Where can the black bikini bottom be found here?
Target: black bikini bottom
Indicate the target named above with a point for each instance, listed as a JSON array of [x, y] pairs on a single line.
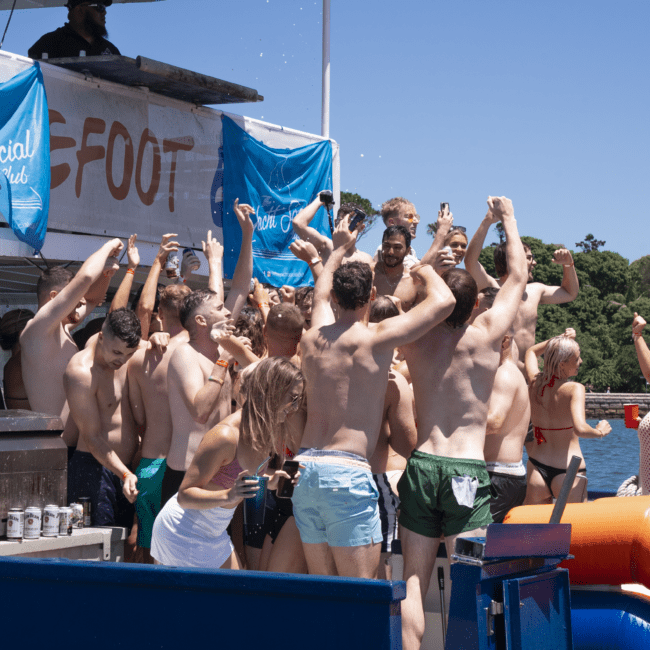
[[548, 473]]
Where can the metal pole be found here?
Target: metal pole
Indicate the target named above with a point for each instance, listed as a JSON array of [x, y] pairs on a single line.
[[567, 484], [325, 113]]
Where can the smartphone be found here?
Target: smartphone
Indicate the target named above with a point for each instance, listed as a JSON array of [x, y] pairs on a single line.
[[444, 206], [359, 216]]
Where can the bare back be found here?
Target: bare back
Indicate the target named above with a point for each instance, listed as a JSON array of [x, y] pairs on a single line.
[[188, 372], [346, 384], [526, 320], [148, 388], [551, 413], [453, 371], [510, 397]]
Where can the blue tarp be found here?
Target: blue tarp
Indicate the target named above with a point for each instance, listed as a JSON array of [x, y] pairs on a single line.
[[25, 156], [278, 183]]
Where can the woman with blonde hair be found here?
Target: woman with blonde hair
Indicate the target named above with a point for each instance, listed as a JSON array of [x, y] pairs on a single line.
[[558, 417], [191, 529]]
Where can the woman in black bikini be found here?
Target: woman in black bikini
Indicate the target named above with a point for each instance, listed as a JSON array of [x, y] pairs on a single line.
[[558, 416]]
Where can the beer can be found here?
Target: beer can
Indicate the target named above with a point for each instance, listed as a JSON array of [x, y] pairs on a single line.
[[15, 523], [172, 266], [33, 520], [65, 521], [51, 521], [77, 515], [85, 502]]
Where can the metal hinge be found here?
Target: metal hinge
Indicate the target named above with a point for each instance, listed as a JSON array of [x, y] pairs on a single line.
[[490, 612]]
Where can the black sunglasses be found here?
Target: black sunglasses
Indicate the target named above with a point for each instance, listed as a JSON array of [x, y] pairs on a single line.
[[459, 228]]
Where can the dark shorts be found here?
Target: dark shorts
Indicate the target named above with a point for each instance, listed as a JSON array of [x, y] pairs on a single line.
[[444, 496], [388, 507], [89, 478], [507, 492], [171, 482], [150, 475]]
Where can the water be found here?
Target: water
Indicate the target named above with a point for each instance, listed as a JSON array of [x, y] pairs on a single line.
[[612, 459]]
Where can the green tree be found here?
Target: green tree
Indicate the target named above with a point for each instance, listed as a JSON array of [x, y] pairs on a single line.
[[590, 243], [365, 205]]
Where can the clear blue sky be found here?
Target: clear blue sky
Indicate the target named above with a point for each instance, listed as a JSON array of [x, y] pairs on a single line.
[[544, 102]]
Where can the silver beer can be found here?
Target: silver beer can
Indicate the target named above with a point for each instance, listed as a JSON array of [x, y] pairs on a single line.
[[33, 520], [15, 523], [51, 521], [77, 515], [65, 521]]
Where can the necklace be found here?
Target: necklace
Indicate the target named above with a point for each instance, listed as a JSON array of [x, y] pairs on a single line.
[[391, 284]]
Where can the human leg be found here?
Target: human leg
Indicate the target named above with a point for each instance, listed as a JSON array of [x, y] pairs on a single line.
[[357, 561], [537, 492], [320, 560], [419, 553], [287, 555]]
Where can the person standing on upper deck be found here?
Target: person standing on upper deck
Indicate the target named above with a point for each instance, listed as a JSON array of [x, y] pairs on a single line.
[[85, 31]]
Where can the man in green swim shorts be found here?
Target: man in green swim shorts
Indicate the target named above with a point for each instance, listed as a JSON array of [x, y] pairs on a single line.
[[445, 489]]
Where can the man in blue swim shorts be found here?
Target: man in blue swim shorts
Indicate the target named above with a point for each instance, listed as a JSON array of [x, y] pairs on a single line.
[[445, 488], [346, 367]]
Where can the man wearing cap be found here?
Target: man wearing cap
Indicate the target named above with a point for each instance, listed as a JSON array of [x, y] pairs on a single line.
[[85, 31]]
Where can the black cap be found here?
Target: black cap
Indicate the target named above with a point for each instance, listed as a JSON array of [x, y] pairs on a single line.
[[71, 4]]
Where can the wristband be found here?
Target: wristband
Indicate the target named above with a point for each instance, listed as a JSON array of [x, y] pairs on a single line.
[[125, 475], [259, 304], [215, 379], [567, 265], [131, 271], [636, 335], [314, 261], [222, 363]]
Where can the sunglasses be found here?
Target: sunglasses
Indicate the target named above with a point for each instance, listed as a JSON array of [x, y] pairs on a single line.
[[459, 228], [295, 401], [101, 7]]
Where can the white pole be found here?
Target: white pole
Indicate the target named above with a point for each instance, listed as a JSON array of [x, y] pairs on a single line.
[[325, 113]]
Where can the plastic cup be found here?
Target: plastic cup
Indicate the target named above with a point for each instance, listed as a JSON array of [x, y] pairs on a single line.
[[255, 506], [632, 418], [285, 486]]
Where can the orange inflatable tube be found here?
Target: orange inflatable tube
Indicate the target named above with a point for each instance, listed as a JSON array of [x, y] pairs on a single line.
[[610, 538]]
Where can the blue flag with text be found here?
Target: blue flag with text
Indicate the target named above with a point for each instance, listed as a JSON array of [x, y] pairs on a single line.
[[277, 183], [25, 156]]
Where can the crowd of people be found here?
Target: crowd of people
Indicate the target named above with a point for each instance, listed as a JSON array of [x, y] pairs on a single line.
[[406, 389]]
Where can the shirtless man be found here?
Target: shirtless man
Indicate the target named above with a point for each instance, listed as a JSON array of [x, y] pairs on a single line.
[[445, 489], [147, 372], [391, 275], [346, 371], [46, 343], [200, 390], [535, 294], [401, 212], [96, 387], [507, 425], [322, 243]]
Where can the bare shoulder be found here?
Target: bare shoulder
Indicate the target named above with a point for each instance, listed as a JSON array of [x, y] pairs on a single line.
[[224, 435], [574, 389], [79, 369], [137, 360], [360, 256]]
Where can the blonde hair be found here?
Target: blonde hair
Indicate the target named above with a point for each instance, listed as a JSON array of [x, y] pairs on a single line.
[[393, 207], [263, 391], [559, 350]]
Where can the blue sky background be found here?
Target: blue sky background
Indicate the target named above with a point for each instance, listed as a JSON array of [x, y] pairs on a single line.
[[544, 102]]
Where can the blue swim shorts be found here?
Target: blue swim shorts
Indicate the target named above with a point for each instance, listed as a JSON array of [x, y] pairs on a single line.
[[335, 501], [150, 474]]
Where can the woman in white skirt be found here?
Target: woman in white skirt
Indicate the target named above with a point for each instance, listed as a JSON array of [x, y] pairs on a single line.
[[190, 530]]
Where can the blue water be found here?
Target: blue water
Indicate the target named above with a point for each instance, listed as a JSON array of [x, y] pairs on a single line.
[[612, 459]]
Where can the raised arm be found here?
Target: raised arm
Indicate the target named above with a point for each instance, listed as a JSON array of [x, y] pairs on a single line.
[[570, 286], [213, 252], [536, 351], [199, 396], [102, 263], [642, 351], [239, 347], [473, 266], [437, 305], [445, 222], [121, 298], [82, 400], [498, 320], [321, 311], [148, 296], [241, 278], [302, 228], [307, 252]]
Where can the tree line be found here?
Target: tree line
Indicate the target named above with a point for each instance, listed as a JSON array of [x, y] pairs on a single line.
[[611, 290]]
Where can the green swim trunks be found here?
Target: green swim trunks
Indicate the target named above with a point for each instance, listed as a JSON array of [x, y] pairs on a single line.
[[444, 496], [150, 474]]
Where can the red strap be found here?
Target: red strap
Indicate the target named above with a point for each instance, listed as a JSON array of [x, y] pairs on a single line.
[[539, 436]]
